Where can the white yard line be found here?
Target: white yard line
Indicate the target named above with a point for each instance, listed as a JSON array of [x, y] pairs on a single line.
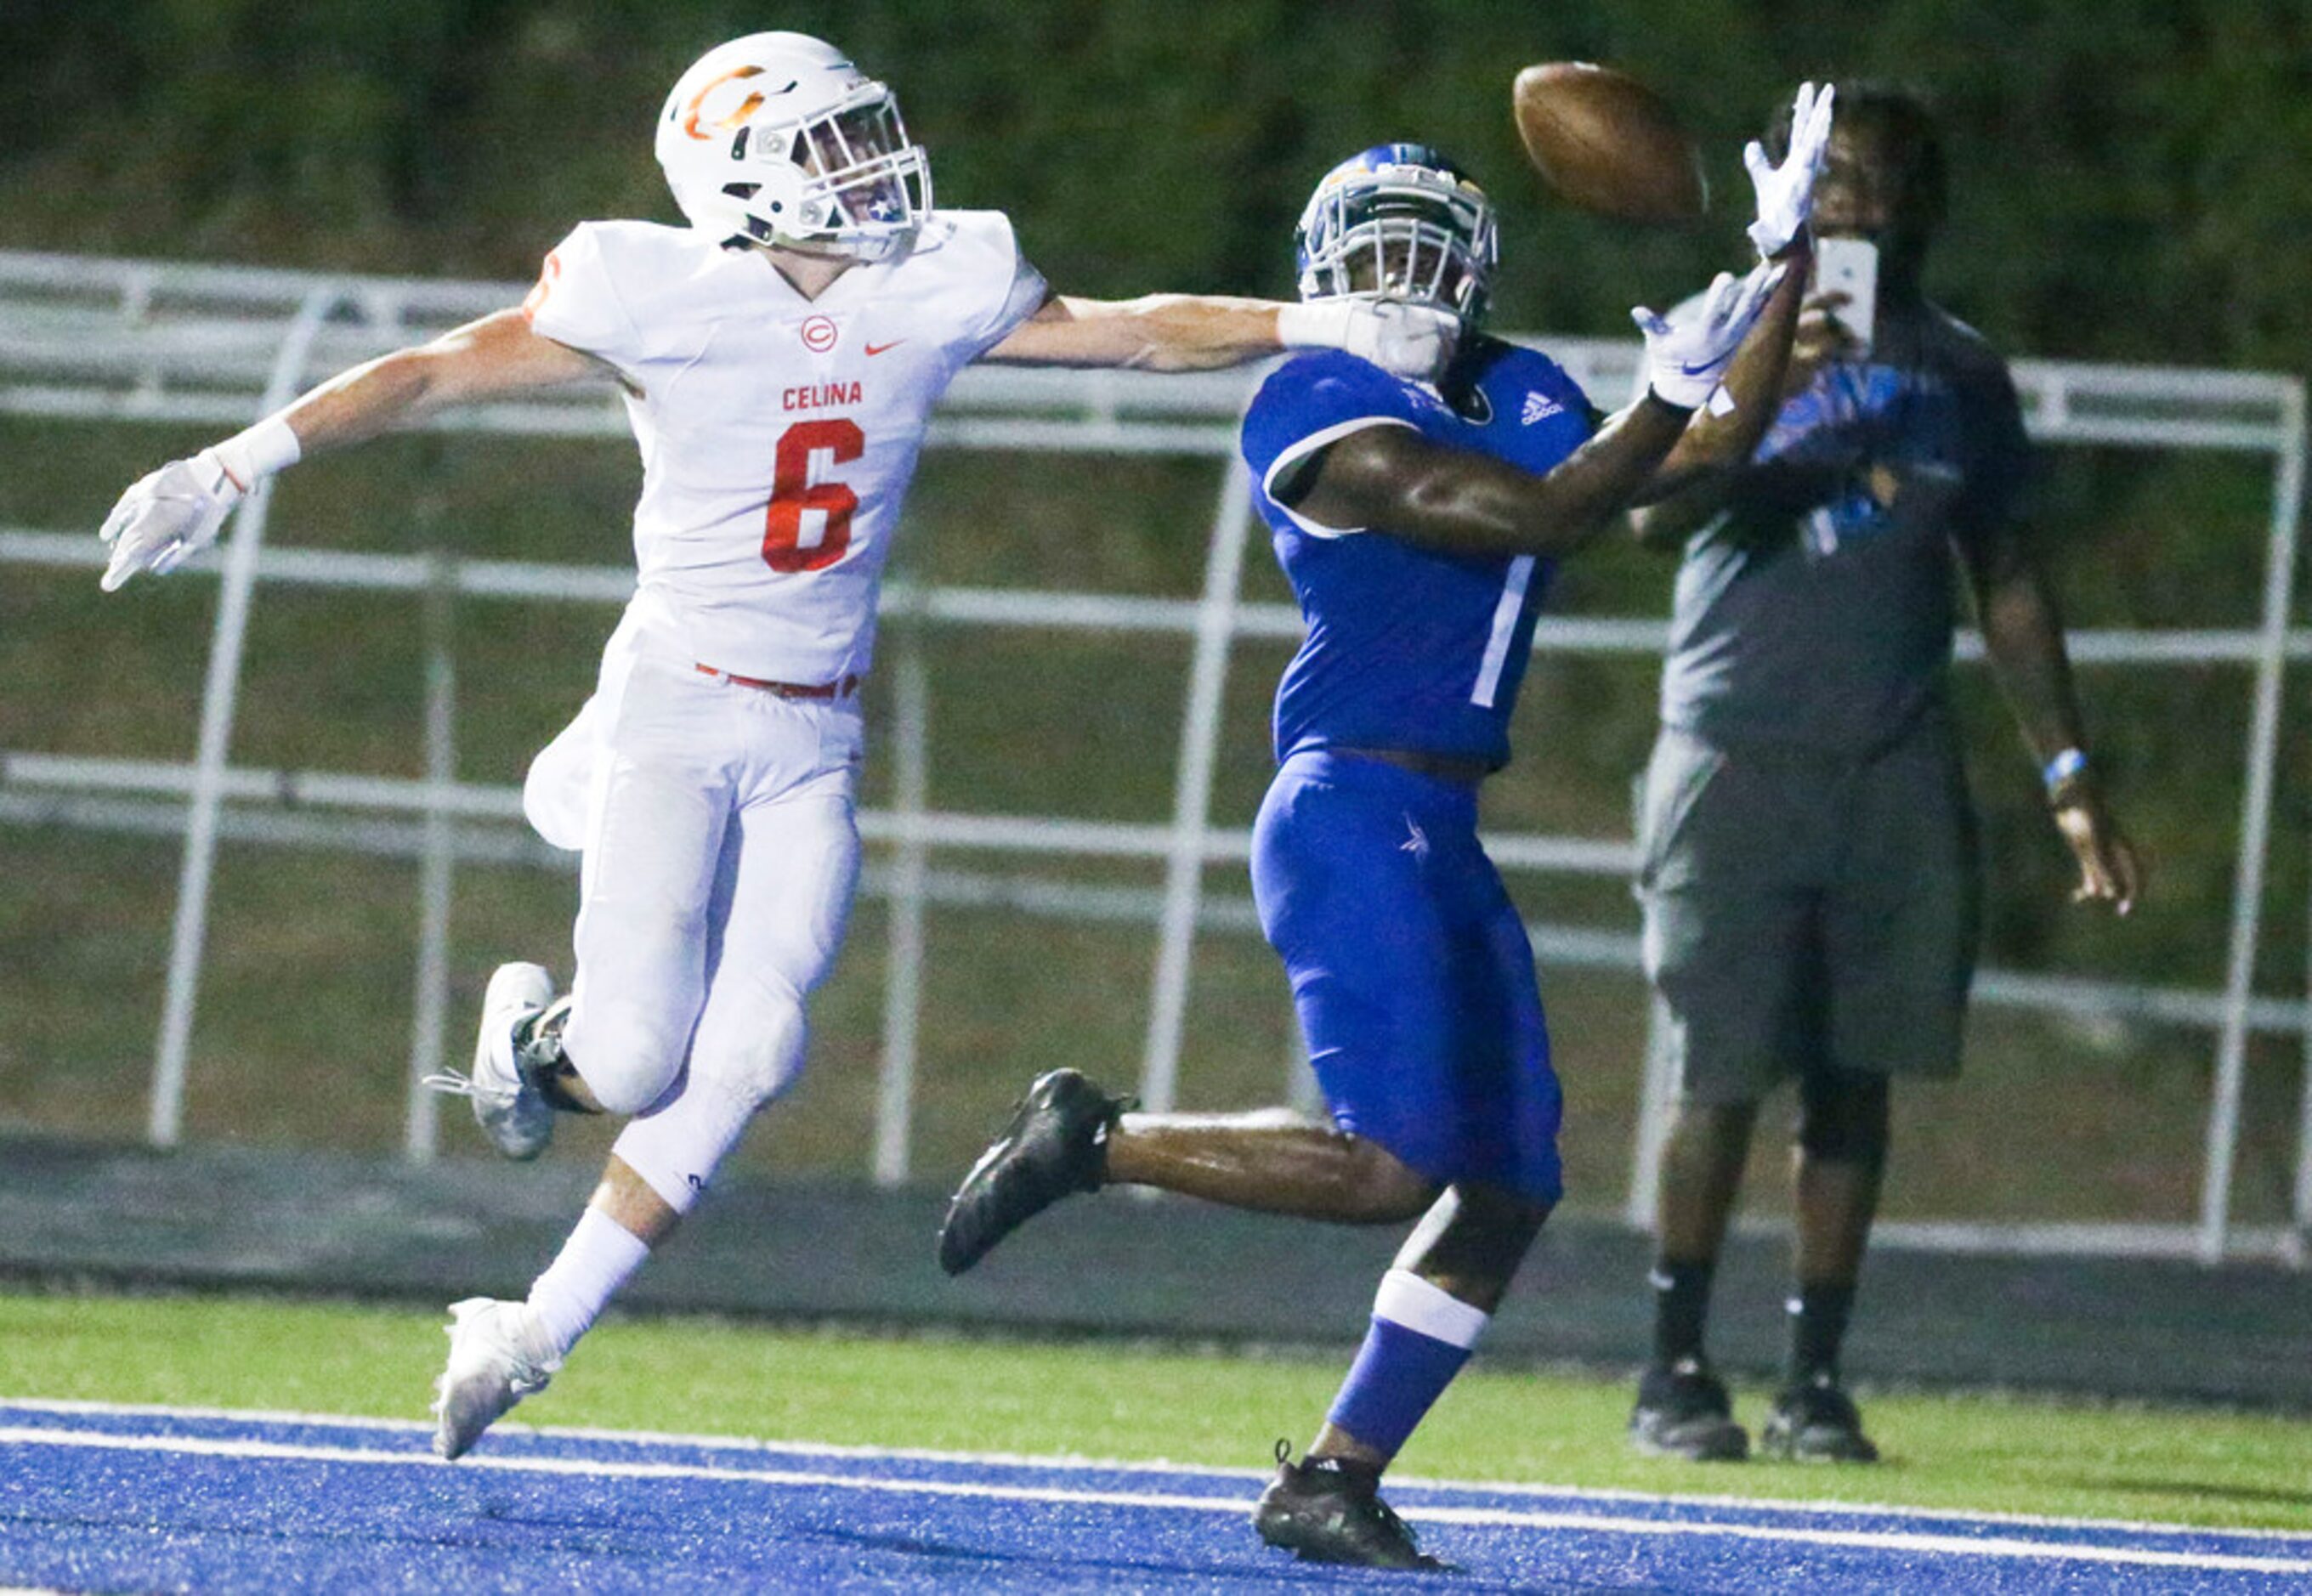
[[1952, 1546], [1011, 1460]]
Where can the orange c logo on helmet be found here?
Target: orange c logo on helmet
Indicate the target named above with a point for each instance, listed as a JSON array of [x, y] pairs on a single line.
[[747, 107]]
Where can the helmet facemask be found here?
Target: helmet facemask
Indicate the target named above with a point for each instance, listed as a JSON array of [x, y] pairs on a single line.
[[866, 189], [1399, 231]]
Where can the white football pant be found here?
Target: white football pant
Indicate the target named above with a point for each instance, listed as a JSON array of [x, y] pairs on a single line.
[[721, 853]]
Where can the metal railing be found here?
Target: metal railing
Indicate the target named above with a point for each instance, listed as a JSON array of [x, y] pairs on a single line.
[[128, 342]]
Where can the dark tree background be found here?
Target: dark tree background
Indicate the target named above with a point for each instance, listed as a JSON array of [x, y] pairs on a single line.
[[2130, 184], [2131, 174]]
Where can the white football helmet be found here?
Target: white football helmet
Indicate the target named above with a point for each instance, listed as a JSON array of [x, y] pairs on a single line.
[[778, 138]]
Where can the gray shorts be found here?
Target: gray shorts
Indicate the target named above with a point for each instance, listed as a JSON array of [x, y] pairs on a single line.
[[1806, 910]]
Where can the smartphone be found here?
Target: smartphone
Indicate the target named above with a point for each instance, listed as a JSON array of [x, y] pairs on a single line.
[[1850, 266]]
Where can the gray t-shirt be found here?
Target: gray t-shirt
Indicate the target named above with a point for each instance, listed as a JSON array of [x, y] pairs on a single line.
[[1818, 611]]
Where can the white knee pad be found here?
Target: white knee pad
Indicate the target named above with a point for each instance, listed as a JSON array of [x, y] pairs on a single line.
[[750, 1038], [628, 1052], [746, 1053]]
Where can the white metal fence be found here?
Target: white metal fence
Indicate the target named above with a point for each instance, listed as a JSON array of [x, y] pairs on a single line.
[[115, 342]]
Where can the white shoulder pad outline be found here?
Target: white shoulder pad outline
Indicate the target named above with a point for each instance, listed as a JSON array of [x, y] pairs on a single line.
[[1300, 451]]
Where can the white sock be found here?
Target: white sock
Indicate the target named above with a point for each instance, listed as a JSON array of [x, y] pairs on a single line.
[[593, 1263]]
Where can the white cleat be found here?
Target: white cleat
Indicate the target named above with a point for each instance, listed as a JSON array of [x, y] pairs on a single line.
[[510, 1111], [496, 1359]]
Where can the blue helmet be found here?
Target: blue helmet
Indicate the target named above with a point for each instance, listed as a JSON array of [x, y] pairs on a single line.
[[1399, 222]]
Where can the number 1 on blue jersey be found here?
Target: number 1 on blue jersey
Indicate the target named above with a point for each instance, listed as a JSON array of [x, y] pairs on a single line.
[[1505, 620]]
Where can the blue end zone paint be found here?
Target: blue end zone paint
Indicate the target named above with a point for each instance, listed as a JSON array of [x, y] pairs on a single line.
[[122, 1499]]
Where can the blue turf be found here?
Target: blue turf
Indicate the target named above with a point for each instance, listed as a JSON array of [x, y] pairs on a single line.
[[80, 1516]]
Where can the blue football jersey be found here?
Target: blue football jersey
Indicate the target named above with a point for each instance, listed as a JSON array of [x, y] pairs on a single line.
[[1407, 648]]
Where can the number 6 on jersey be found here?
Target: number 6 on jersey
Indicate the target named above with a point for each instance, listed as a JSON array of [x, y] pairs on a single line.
[[807, 524]]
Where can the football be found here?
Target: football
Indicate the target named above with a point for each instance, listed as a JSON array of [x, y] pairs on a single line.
[[1608, 143]]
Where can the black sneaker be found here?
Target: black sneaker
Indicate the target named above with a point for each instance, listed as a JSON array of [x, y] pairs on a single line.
[[1323, 1510], [1682, 1412], [1816, 1422], [1057, 1144]]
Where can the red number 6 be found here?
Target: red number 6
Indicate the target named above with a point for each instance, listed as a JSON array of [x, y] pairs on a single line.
[[793, 495]]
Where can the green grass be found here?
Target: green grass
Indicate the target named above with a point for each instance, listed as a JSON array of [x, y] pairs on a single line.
[[1972, 1453]]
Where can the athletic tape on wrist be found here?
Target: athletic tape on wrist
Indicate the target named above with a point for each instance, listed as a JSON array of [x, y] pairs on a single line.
[[1323, 326], [271, 445]]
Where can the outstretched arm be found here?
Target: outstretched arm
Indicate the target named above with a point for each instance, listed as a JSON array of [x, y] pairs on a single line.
[[1724, 437], [1181, 332], [1701, 476], [499, 355], [171, 514], [1695, 488], [1394, 480]]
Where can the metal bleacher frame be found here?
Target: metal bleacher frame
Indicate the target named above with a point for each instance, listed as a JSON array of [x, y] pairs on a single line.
[[120, 341]]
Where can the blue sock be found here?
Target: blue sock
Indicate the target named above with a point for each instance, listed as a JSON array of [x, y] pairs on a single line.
[[1402, 1370]]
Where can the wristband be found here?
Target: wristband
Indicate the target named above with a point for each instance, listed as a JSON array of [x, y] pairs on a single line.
[[269, 446], [2060, 769]]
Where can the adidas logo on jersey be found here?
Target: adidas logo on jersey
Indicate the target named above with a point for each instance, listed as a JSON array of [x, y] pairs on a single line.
[[1540, 407]]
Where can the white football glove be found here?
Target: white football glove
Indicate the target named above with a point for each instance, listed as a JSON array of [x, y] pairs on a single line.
[[1409, 341], [168, 517], [1688, 352], [1786, 192]]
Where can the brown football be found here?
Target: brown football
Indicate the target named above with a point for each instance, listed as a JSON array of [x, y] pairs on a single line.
[[1607, 142]]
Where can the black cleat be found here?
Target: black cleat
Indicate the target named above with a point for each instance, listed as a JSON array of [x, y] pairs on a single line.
[[1816, 1422], [1323, 1510], [1056, 1145], [1682, 1412]]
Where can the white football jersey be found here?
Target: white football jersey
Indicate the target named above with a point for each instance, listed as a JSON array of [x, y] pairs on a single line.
[[778, 433]]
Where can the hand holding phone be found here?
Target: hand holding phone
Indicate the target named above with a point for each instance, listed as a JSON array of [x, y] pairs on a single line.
[[1850, 268]]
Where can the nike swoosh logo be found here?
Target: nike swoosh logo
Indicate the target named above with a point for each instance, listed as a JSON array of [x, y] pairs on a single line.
[[880, 348]]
